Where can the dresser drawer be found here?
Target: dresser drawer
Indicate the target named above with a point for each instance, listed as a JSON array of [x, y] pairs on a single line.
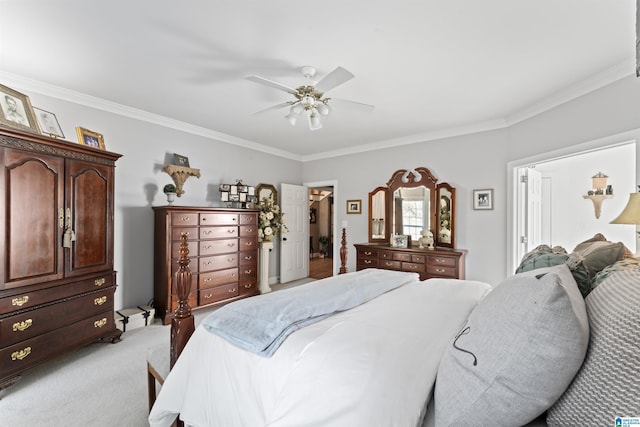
[[218, 219], [248, 272], [219, 293], [249, 258], [438, 270], [401, 256], [218, 232], [29, 353], [368, 253], [217, 262], [248, 287], [191, 232], [248, 243], [446, 261], [248, 218], [420, 259], [31, 299], [181, 219], [217, 278], [367, 263], [213, 247], [248, 230], [391, 265], [26, 325], [414, 267], [385, 255]]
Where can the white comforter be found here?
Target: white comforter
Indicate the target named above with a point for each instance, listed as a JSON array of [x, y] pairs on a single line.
[[373, 365]]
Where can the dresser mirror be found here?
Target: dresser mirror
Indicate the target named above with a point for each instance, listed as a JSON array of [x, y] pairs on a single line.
[[411, 203]]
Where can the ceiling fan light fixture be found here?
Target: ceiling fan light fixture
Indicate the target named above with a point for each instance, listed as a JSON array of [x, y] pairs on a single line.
[[292, 117], [314, 121], [323, 108]]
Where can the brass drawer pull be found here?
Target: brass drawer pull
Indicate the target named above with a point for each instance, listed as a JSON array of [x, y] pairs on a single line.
[[413, 267], [231, 230], [231, 259], [206, 263], [248, 271], [231, 245], [207, 247], [367, 253], [368, 261], [100, 323], [248, 244], [208, 296], [20, 301], [184, 218], [440, 270], [22, 326], [100, 282], [100, 301], [185, 233], [232, 275], [208, 279], [440, 260], [248, 258], [19, 355], [232, 290], [388, 264], [249, 230], [207, 232], [248, 286]]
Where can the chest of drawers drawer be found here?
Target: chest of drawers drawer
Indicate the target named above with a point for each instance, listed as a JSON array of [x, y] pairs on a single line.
[[217, 278], [217, 262], [221, 246], [412, 266], [218, 219], [218, 232], [219, 293], [367, 263], [437, 270], [390, 265]]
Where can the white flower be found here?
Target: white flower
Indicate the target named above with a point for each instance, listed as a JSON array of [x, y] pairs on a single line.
[[268, 231], [269, 216]]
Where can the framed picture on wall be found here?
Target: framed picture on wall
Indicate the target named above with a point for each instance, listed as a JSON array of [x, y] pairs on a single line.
[[483, 199], [354, 206]]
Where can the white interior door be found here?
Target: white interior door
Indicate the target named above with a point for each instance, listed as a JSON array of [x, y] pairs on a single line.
[[529, 211], [294, 244]]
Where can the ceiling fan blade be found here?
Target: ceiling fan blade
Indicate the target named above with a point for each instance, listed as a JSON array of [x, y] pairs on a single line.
[[262, 80], [353, 105], [333, 79], [274, 107]]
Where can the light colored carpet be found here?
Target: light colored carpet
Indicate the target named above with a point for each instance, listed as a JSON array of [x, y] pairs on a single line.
[[101, 385]]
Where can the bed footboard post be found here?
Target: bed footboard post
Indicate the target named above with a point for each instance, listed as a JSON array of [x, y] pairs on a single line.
[[343, 252], [182, 324]]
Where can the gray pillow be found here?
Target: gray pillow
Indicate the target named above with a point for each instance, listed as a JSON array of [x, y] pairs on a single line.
[[590, 257], [517, 354], [607, 385]]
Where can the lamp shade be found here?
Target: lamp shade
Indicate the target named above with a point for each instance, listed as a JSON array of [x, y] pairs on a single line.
[[631, 213]]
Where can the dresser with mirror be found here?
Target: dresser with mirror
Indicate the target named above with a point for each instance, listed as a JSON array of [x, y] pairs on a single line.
[[412, 201]]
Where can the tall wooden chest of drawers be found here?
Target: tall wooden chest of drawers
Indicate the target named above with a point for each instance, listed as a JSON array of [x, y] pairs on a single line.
[[56, 244], [440, 262], [223, 249]]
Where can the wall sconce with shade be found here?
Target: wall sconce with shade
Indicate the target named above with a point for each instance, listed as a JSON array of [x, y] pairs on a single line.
[[599, 192], [631, 213]]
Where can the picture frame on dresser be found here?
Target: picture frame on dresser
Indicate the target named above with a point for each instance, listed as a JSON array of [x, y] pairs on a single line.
[[16, 110], [401, 241]]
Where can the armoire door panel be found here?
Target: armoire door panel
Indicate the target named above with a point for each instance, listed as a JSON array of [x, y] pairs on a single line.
[[91, 210], [32, 231]]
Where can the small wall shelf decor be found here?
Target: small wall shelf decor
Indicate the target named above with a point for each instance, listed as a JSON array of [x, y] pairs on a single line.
[[599, 192], [180, 174]]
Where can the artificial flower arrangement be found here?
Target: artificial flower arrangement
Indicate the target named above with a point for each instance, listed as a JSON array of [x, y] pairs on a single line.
[[270, 220]]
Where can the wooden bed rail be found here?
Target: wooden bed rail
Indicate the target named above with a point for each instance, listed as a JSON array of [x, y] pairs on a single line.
[[182, 324]]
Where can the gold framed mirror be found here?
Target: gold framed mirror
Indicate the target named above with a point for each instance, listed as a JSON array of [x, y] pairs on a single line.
[[378, 215]]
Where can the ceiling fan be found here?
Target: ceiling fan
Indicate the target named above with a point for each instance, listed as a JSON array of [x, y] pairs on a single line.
[[310, 99]]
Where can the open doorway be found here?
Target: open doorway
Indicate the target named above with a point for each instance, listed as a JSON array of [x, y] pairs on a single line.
[[549, 203], [321, 236]]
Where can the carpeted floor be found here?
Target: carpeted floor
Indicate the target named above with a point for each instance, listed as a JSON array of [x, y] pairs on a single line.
[[101, 385]]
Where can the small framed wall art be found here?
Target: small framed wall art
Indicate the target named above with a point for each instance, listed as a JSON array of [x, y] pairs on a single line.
[[180, 160], [90, 138], [16, 110], [354, 206], [483, 199]]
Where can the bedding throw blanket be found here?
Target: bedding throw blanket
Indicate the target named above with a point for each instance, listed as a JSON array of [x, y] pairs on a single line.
[[260, 324]]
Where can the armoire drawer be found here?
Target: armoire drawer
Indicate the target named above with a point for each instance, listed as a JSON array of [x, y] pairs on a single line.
[[29, 353], [31, 299], [31, 323]]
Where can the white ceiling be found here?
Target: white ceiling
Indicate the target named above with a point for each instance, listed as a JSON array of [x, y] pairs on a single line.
[[431, 68]]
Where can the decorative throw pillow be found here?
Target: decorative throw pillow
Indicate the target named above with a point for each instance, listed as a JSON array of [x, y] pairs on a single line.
[[588, 258], [517, 353], [542, 256], [623, 264], [607, 384]]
